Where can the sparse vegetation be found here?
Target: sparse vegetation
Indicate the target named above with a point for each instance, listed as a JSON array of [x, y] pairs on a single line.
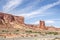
[[55, 33], [32, 31], [17, 30], [4, 30], [29, 31]]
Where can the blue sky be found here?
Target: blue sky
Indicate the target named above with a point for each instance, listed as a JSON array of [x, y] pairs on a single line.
[[34, 10]]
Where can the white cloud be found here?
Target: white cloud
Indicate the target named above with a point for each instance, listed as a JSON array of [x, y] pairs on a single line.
[[11, 4], [30, 6], [41, 10], [44, 8], [49, 21], [46, 21], [36, 22]]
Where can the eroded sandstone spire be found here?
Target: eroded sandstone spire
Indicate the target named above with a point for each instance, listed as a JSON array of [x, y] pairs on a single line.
[[42, 25]]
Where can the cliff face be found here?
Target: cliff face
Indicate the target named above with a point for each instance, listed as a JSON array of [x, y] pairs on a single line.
[[8, 19], [12, 21], [12, 26]]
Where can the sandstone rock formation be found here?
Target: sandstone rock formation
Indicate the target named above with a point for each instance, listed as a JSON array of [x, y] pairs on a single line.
[[8, 19], [10, 23], [42, 25]]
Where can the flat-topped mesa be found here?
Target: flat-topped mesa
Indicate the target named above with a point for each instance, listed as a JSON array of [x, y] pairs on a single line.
[[8, 18], [19, 19]]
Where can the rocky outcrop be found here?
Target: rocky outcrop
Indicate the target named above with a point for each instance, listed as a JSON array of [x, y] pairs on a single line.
[[14, 26], [19, 19], [42, 25], [7, 19]]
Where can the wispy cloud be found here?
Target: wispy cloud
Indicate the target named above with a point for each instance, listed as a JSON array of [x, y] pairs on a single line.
[[41, 10], [28, 7], [31, 5], [49, 21], [36, 22], [46, 21], [11, 4]]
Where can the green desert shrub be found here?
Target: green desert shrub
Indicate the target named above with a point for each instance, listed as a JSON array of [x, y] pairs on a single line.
[[32, 32], [17, 30], [55, 33], [29, 31], [4, 30]]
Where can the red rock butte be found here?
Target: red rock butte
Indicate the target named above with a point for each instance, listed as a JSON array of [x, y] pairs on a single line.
[[8, 18]]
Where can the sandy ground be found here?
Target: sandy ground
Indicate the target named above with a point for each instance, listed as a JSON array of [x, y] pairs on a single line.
[[33, 38]]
